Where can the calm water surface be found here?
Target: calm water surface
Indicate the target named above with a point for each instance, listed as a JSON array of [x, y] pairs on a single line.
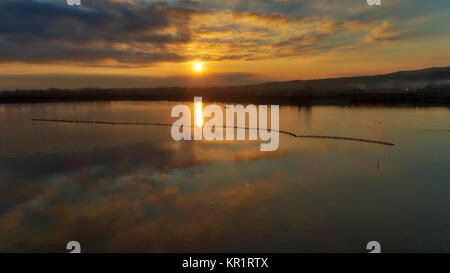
[[134, 189]]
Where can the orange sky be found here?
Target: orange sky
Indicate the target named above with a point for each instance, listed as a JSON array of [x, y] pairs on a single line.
[[237, 43]]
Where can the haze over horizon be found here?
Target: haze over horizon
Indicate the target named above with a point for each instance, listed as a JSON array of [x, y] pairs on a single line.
[[140, 43]]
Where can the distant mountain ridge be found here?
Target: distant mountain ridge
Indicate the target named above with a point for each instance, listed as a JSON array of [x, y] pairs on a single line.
[[431, 85], [401, 80]]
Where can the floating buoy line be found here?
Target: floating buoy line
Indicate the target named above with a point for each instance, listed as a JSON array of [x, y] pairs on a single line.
[[225, 127]]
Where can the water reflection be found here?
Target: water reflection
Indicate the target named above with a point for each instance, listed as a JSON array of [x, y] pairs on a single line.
[[199, 114], [134, 189]]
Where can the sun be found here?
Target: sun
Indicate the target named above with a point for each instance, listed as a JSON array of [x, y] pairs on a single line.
[[198, 67]]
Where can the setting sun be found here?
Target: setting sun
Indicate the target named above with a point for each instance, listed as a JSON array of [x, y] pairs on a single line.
[[198, 67]]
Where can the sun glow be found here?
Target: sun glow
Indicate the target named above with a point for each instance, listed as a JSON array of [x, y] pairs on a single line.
[[198, 67]]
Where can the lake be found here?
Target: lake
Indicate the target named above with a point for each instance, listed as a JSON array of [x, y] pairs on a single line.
[[133, 189]]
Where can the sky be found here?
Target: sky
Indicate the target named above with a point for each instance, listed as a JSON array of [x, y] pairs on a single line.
[[140, 43]]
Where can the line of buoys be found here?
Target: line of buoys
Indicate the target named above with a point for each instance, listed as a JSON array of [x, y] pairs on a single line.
[[348, 138], [101, 122], [226, 127]]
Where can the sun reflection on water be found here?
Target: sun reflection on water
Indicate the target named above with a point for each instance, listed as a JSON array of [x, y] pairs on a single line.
[[198, 114]]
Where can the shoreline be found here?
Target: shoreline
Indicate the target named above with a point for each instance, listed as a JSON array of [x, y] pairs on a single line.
[[383, 99]]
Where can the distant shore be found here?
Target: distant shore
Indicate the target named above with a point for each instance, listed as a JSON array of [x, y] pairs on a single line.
[[422, 87], [425, 97]]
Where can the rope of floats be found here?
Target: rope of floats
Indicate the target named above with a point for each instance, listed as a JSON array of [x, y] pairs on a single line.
[[226, 127]]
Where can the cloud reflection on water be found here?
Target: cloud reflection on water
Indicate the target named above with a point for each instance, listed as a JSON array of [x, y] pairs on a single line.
[[134, 189]]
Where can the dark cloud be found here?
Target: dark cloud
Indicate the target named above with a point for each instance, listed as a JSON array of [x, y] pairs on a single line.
[[140, 33], [33, 31], [122, 81], [193, 2], [55, 53]]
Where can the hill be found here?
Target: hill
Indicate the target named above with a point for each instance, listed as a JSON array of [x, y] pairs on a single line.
[[430, 85]]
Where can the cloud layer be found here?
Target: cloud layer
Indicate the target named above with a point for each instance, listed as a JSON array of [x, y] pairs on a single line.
[[141, 33]]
